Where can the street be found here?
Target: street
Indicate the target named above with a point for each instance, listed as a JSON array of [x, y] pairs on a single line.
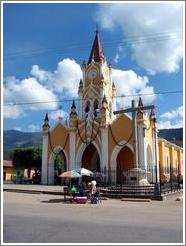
[[41, 218]]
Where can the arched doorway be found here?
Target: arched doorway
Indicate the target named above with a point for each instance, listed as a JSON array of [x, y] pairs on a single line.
[[124, 163], [60, 166], [91, 159]]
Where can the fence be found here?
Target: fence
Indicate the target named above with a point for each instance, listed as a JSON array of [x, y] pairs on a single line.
[[159, 179]]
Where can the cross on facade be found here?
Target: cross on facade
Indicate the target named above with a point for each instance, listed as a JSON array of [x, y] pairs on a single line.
[[134, 110]]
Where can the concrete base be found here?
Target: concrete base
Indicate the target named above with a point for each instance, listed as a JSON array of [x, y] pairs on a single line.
[[136, 176]]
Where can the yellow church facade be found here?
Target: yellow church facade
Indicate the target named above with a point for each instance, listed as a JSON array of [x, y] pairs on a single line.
[[121, 147]]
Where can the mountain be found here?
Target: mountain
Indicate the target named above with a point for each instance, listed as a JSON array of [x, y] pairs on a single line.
[[13, 139], [16, 139], [173, 135]]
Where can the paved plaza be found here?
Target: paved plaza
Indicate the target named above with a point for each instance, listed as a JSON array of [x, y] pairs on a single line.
[[43, 218]]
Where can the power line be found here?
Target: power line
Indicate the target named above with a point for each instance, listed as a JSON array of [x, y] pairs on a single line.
[[131, 40], [77, 99]]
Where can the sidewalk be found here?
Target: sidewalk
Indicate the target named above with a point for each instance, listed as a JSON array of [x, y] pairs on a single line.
[[59, 190], [34, 189]]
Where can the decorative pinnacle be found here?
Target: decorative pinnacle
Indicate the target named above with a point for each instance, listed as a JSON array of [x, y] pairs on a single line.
[[80, 83], [113, 86], [46, 118], [46, 125], [152, 115], [73, 105], [140, 105], [104, 99]]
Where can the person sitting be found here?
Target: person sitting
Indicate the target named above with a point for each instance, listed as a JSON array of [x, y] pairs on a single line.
[[93, 188]]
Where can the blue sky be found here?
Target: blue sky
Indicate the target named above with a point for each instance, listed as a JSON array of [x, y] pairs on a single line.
[[45, 44]]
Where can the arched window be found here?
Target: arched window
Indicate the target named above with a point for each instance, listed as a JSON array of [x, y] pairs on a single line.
[[96, 107], [87, 107]]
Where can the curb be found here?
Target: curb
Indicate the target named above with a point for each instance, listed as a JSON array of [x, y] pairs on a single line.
[[35, 191], [134, 200]]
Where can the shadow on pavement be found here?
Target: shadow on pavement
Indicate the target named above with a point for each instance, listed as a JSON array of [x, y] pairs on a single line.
[[56, 201]]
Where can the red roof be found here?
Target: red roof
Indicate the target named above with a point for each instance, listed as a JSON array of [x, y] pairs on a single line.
[[97, 50], [7, 163]]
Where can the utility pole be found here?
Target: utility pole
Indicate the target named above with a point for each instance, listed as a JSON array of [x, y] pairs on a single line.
[[134, 110]]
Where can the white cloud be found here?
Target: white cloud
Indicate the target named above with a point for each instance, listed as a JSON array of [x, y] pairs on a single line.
[[41, 75], [55, 115], [42, 86], [63, 82], [67, 77], [172, 119], [168, 125], [173, 114], [12, 112], [152, 30], [129, 83], [118, 52], [17, 128], [64, 79], [116, 58], [33, 128], [26, 90]]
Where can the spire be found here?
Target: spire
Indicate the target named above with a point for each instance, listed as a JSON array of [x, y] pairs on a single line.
[[104, 99], [152, 115], [73, 105], [140, 105], [46, 126], [46, 118], [97, 50], [73, 115], [80, 83], [113, 86]]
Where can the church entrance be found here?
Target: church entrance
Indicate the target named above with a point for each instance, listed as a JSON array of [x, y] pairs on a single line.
[[59, 167], [91, 159], [124, 163]]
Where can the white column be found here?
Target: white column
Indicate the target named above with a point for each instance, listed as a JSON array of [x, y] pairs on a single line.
[[44, 171], [72, 148], [104, 149], [113, 171], [135, 135], [156, 155], [142, 163]]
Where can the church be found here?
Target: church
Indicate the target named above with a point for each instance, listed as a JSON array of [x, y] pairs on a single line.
[[124, 148]]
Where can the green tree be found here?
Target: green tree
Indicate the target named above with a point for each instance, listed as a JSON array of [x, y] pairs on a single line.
[[27, 158], [60, 163]]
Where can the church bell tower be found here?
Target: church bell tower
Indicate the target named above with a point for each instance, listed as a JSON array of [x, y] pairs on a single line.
[[96, 89]]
